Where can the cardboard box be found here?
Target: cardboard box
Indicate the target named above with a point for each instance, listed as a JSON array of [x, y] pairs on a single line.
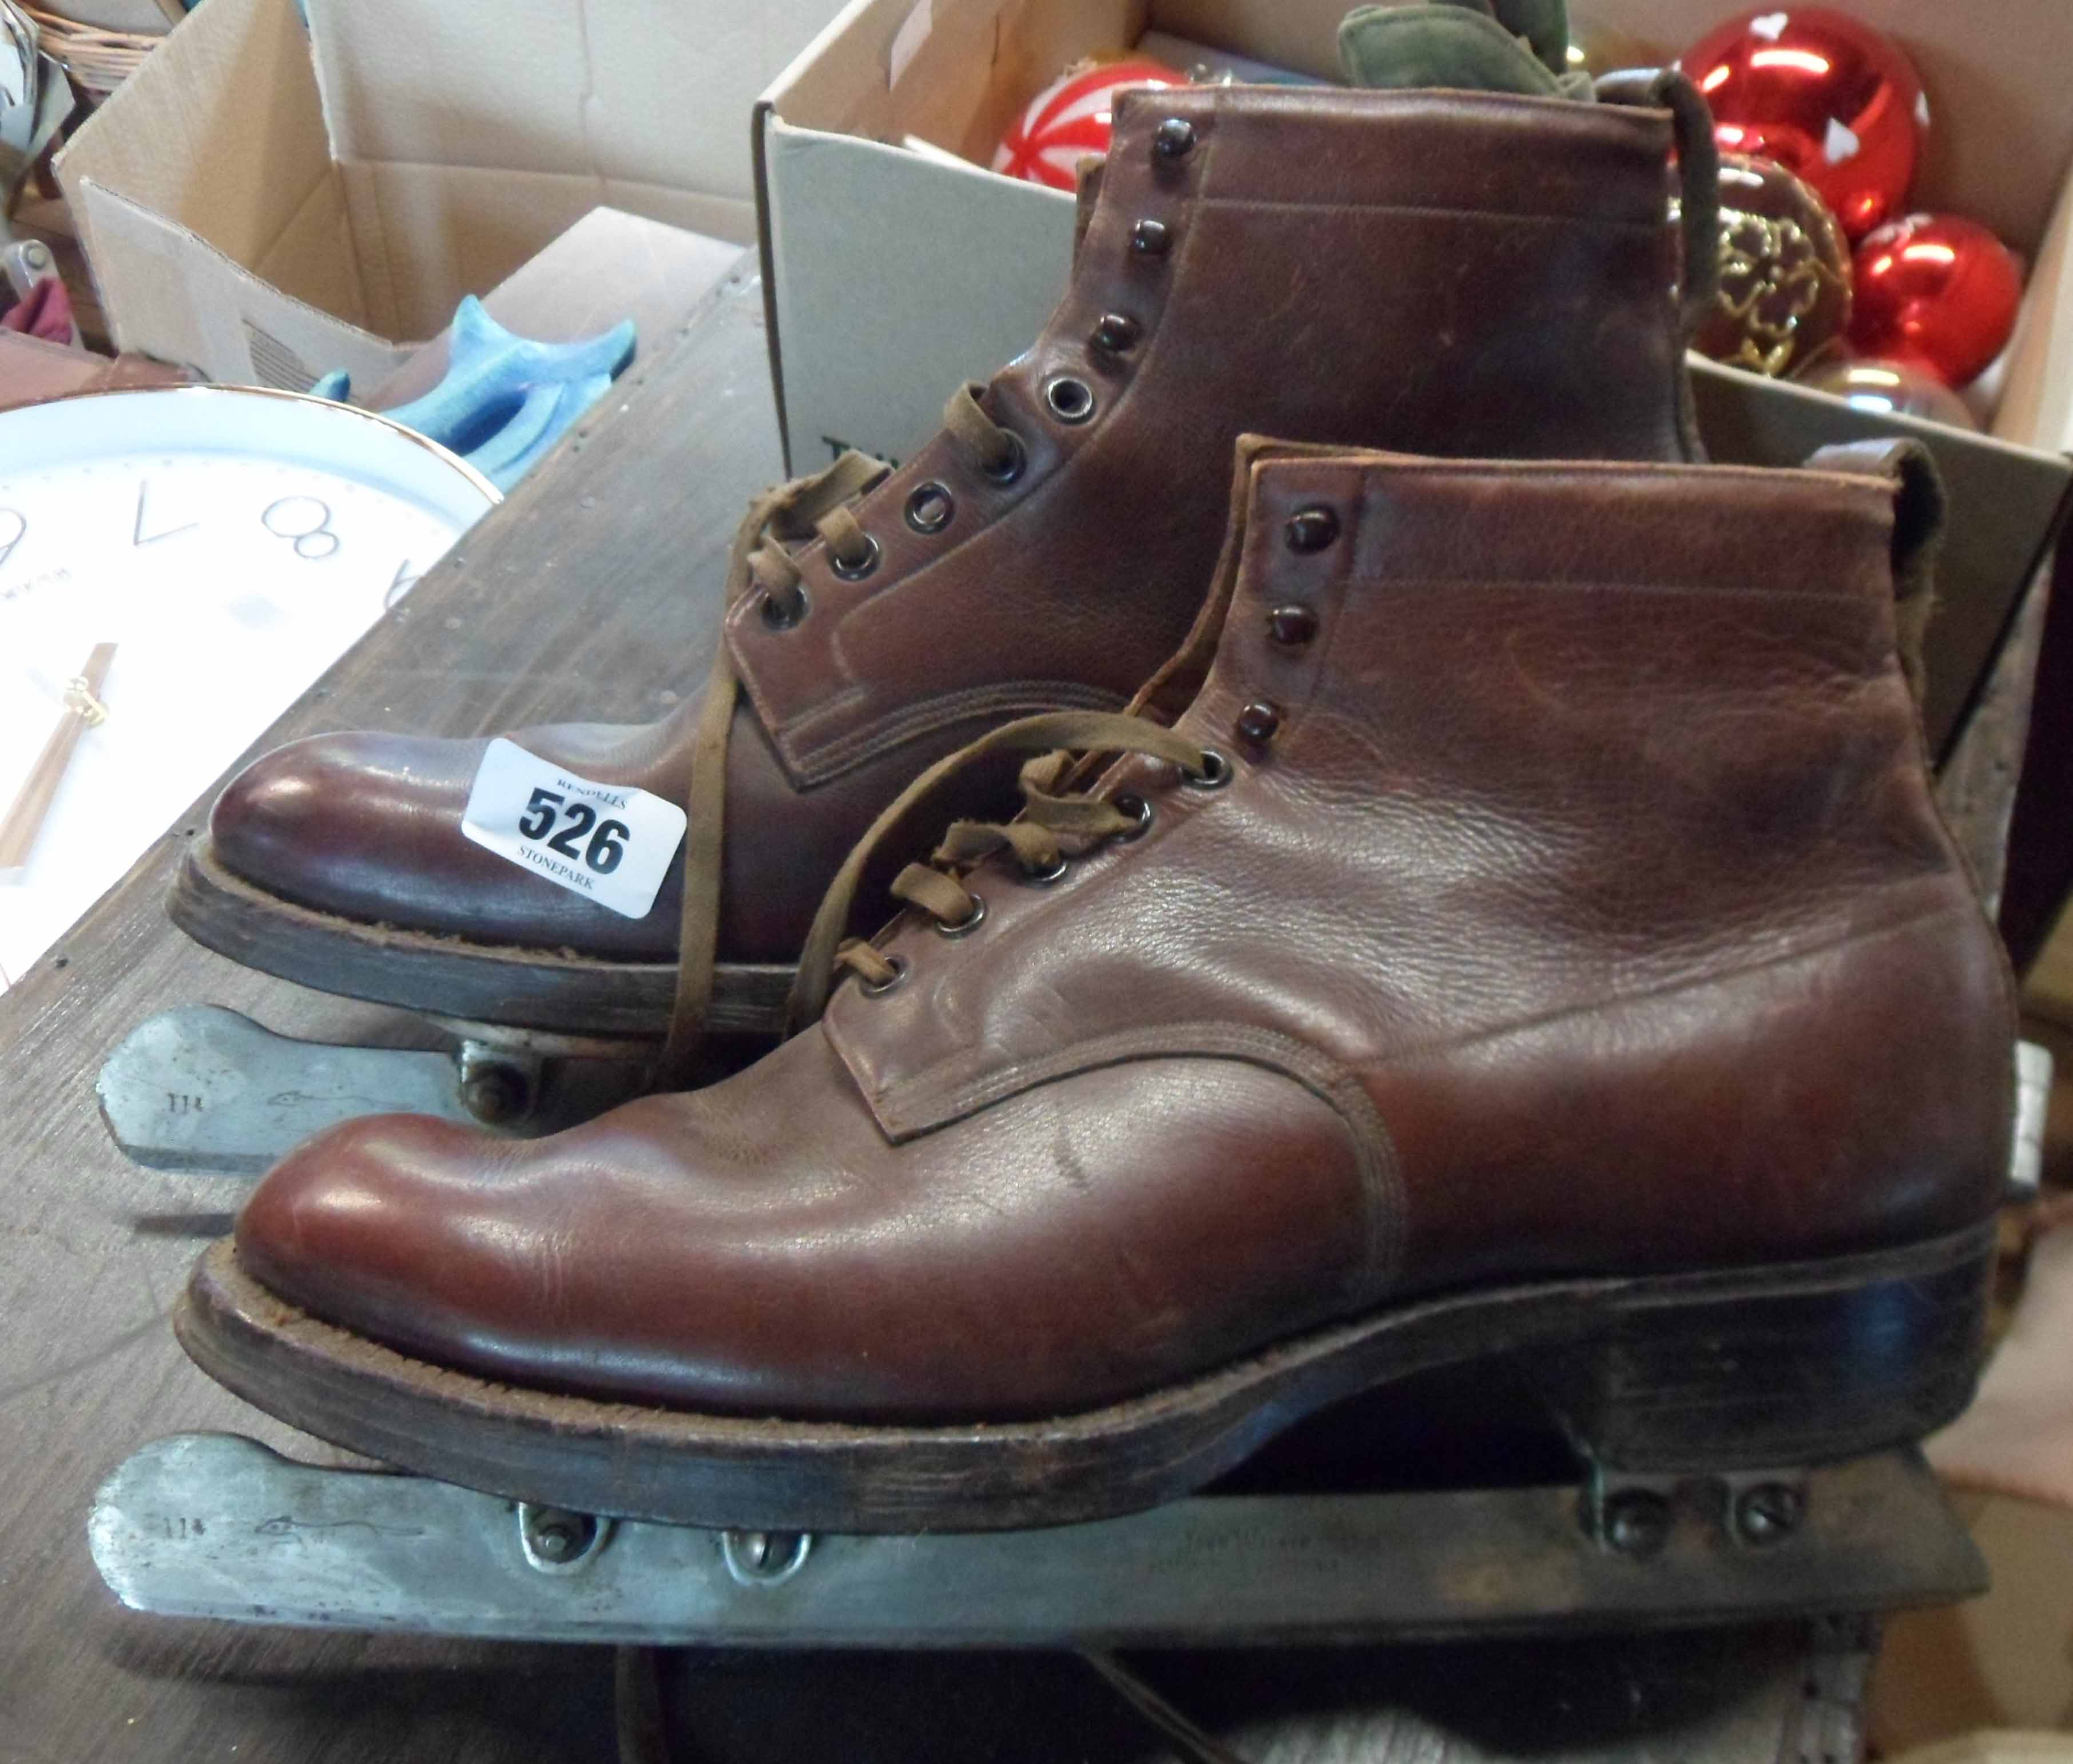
[[2007, 503], [607, 267], [890, 274], [263, 204]]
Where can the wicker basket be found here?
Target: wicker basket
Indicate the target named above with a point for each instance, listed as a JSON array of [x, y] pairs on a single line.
[[98, 60]]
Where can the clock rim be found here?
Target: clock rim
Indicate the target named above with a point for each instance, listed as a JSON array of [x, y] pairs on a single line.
[[446, 455]]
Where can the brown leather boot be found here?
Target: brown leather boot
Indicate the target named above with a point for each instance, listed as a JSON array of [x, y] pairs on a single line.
[[1537, 941], [1443, 272]]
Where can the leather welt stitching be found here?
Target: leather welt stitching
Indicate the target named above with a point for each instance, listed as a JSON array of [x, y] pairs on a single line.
[[1381, 1171]]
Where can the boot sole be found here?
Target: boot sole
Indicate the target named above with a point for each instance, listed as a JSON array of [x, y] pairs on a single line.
[[449, 976], [1783, 1366]]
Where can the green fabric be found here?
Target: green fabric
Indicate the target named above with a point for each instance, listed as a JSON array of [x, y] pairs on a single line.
[[1519, 46], [1544, 23]]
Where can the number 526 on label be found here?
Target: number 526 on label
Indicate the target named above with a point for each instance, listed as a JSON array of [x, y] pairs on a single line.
[[612, 843]]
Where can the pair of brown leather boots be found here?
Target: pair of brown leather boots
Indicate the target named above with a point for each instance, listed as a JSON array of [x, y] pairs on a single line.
[[1505, 917]]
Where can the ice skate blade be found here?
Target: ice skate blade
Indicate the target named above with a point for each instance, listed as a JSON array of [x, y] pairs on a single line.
[[205, 1090], [443, 975], [216, 1526], [1729, 1369]]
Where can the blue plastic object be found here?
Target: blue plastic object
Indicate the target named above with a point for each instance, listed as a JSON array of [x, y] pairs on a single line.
[[505, 400]]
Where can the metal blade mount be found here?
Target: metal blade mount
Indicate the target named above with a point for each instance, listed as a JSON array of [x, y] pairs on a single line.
[[203, 1089], [216, 1526]]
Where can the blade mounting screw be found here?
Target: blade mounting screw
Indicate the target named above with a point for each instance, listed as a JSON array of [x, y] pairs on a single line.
[[1768, 1512], [1636, 1522]]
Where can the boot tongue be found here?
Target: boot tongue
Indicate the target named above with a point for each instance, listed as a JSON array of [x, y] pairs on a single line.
[[1516, 45]]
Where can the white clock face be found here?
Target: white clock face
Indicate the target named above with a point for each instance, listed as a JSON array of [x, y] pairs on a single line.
[[230, 546]]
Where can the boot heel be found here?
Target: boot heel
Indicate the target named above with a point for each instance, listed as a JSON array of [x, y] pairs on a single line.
[[1781, 1366]]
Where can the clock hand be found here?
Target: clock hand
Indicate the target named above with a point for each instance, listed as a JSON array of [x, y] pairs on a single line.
[[83, 710]]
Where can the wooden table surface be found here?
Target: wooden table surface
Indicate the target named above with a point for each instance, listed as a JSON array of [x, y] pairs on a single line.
[[593, 593]]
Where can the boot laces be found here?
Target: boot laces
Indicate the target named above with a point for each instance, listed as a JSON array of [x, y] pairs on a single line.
[[1057, 825], [762, 565], [822, 506]]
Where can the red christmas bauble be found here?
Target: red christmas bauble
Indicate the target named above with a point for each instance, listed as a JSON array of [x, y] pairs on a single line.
[[1070, 119], [1825, 95], [1937, 290]]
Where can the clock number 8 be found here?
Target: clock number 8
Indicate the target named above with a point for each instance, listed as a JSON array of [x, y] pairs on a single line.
[[313, 543]]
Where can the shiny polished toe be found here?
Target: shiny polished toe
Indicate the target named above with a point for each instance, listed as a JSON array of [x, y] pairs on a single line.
[[323, 1230], [358, 824], [760, 1247], [368, 827]]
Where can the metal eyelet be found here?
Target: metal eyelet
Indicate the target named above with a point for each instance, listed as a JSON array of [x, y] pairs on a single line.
[[1012, 468], [1173, 140], [1043, 878], [1216, 773], [1291, 626], [783, 615], [1258, 722], [857, 570], [1115, 332], [1129, 802], [1150, 238], [1312, 529], [931, 507], [1070, 400], [970, 923], [877, 989]]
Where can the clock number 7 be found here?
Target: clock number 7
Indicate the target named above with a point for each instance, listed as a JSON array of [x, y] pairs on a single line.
[[313, 541]]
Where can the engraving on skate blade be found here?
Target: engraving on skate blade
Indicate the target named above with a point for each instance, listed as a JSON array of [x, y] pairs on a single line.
[[609, 843]]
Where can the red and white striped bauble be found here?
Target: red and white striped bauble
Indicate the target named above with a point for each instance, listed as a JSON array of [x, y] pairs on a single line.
[[1070, 119]]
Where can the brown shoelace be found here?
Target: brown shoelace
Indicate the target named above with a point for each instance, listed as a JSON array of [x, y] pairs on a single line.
[[819, 506], [1053, 827]]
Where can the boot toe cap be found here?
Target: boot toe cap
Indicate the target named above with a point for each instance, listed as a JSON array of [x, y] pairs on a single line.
[[562, 1263], [330, 822], [355, 1225]]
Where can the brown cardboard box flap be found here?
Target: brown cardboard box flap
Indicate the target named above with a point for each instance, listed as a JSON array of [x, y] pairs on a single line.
[[400, 153], [169, 293], [627, 93], [226, 137]]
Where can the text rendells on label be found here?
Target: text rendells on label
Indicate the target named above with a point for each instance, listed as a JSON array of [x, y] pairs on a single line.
[[610, 842]]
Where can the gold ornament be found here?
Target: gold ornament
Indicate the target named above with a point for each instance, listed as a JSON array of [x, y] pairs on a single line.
[[1785, 272]]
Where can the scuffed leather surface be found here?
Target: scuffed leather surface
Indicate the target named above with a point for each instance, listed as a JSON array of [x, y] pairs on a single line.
[[1447, 273], [1595, 851], [803, 1265], [1589, 814]]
